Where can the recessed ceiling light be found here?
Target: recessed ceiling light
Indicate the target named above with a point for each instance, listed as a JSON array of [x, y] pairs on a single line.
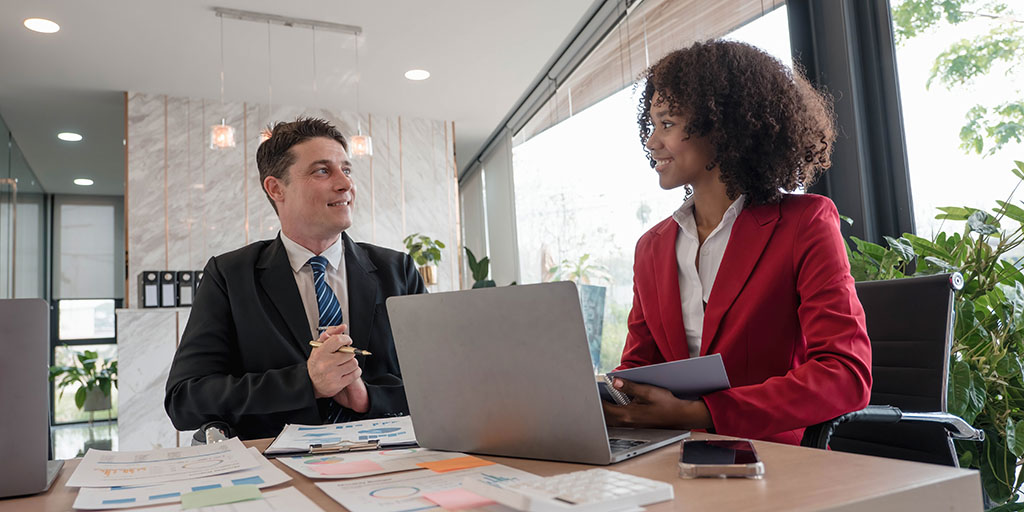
[[69, 136], [42, 25], [85, 182], [417, 74]]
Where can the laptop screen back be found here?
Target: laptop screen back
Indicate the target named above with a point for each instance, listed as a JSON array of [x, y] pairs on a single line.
[[24, 395], [501, 371]]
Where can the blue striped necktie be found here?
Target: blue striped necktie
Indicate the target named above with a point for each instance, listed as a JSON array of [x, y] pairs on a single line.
[[326, 302]]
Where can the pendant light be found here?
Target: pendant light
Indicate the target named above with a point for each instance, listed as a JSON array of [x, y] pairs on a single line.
[[222, 135], [360, 145]]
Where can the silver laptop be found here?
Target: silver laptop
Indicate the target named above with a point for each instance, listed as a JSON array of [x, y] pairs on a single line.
[[506, 371], [24, 398]]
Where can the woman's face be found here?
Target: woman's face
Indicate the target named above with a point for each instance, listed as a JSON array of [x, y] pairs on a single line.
[[680, 159]]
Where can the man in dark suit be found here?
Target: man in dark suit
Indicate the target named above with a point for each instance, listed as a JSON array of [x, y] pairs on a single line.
[[245, 356]]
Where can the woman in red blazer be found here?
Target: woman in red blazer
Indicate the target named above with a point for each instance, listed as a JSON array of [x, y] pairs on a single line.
[[743, 269]]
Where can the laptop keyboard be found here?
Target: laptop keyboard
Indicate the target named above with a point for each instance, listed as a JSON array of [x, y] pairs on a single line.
[[619, 445]]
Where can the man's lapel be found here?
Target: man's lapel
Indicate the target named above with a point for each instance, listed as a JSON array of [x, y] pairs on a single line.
[[666, 278], [750, 235], [278, 281], [363, 292]]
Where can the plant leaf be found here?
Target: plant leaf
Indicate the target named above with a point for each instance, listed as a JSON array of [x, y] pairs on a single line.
[[954, 213], [1015, 437], [959, 382], [1012, 211], [941, 264], [80, 397], [978, 222], [902, 246]]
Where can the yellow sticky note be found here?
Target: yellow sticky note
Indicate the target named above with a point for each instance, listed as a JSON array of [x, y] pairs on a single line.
[[444, 466], [220, 496]]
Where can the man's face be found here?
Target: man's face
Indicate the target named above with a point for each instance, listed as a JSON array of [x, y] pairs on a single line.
[[316, 201]]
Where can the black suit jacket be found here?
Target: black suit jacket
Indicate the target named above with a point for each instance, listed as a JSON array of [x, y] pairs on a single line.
[[242, 357]]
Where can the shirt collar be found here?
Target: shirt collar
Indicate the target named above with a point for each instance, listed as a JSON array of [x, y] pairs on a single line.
[[684, 215], [299, 255]]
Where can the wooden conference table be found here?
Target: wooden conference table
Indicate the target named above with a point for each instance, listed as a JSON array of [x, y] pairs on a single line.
[[795, 479]]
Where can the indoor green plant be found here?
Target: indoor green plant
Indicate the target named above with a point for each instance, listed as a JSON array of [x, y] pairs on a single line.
[[426, 252], [94, 376], [986, 384], [479, 269]]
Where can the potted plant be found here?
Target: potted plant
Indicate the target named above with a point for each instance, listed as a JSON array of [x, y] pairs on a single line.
[[986, 383], [592, 297], [94, 376], [426, 252], [479, 268]]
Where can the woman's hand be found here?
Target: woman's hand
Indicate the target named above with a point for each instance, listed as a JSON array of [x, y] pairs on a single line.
[[654, 407]]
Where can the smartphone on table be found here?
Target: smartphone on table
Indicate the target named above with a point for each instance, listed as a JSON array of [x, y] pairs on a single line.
[[707, 458]]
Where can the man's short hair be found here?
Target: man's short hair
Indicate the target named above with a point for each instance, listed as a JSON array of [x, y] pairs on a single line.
[[274, 156]]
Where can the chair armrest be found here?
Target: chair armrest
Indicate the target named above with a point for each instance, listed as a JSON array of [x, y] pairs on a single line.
[[957, 427], [818, 436]]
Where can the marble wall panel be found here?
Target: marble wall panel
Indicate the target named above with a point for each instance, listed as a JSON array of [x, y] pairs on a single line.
[[447, 190], [146, 340], [388, 205], [223, 198], [197, 140], [144, 190], [425, 191], [178, 192], [455, 204]]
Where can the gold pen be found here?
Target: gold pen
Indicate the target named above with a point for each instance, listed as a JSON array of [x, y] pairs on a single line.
[[348, 349]]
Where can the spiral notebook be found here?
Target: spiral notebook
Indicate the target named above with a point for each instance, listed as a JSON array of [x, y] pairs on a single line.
[[688, 379]]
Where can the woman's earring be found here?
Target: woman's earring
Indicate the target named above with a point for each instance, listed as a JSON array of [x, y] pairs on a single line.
[[710, 166]]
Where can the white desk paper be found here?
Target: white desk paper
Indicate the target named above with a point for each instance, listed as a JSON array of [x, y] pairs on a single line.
[[101, 468], [404, 491], [288, 499], [359, 464], [388, 431], [104, 498]]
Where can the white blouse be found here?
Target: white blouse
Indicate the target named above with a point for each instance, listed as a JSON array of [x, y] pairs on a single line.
[[695, 286]]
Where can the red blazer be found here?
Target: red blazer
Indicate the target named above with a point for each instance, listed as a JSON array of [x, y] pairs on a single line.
[[783, 313]]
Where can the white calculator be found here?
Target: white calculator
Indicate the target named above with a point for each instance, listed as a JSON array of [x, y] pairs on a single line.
[[593, 490]]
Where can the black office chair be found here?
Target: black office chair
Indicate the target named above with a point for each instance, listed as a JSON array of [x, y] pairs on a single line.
[[910, 323]]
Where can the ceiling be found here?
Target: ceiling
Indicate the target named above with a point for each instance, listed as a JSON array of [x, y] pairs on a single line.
[[482, 55]]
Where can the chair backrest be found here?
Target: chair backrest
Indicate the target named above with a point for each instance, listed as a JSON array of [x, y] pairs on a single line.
[[910, 323]]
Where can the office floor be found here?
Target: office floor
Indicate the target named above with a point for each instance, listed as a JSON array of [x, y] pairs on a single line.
[[70, 441]]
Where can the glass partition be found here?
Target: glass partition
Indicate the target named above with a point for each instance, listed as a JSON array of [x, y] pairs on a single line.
[[22, 224]]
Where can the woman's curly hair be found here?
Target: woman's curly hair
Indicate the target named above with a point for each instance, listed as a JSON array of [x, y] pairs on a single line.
[[770, 129]]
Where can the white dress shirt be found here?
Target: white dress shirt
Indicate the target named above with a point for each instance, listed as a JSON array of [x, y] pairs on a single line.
[[695, 286], [337, 279]]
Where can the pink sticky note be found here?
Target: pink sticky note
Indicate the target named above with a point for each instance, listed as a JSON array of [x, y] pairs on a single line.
[[347, 468], [457, 499]]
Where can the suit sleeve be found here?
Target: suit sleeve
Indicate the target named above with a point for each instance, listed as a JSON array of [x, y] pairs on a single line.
[[382, 376], [640, 348], [836, 377], [206, 380]]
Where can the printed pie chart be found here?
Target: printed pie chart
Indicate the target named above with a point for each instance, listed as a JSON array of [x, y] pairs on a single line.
[[394, 492]]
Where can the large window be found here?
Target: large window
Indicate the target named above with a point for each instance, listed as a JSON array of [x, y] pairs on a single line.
[[584, 194], [961, 66], [88, 286]]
